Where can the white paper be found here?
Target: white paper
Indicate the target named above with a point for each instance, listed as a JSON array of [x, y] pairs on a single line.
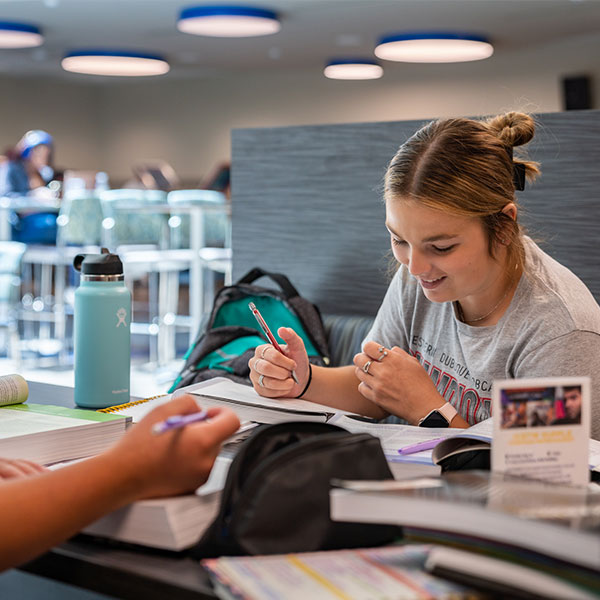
[[230, 390], [537, 431]]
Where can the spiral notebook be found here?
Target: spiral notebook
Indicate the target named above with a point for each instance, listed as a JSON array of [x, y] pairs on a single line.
[[137, 409], [242, 399]]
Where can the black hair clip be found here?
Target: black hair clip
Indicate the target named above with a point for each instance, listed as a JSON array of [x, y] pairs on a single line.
[[518, 171], [519, 176]]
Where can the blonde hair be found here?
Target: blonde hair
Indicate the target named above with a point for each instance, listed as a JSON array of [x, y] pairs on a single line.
[[466, 167]]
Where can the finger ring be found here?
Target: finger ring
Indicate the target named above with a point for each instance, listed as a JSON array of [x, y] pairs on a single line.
[[366, 366], [262, 354], [384, 353], [261, 380]]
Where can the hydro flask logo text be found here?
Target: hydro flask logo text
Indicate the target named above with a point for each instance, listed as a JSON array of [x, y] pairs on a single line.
[[121, 314]]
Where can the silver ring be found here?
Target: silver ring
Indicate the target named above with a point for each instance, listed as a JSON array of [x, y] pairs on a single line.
[[261, 380], [384, 353], [366, 366], [262, 352]]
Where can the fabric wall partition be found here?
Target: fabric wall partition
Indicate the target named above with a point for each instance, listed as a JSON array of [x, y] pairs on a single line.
[[307, 201]]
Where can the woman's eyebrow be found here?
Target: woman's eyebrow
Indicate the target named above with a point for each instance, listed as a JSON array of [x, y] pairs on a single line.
[[442, 236]]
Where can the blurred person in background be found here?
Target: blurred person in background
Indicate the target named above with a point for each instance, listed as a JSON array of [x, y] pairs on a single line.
[[25, 174]]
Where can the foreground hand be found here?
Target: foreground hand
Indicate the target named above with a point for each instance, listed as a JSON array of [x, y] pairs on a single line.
[[271, 371], [396, 381], [176, 461], [10, 467]]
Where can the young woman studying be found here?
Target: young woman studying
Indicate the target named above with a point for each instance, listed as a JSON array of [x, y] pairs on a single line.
[[40, 508], [474, 299]]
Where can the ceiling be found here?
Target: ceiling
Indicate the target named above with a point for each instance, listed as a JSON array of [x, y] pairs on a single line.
[[313, 31]]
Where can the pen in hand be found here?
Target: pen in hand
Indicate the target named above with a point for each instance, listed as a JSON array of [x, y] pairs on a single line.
[[177, 421], [268, 333]]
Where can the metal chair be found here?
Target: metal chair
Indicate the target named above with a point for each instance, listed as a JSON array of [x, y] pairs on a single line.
[[11, 254]]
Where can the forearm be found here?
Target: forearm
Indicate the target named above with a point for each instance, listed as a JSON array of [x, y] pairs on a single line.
[[40, 511], [338, 388]]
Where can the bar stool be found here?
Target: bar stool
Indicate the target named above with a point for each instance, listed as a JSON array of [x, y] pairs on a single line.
[[200, 220], [11, 254]]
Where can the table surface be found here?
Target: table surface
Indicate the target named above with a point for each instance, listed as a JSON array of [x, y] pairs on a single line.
[[111, 568]]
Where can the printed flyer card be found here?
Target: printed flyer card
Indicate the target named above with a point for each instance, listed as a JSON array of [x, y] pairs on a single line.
[[542, 428]]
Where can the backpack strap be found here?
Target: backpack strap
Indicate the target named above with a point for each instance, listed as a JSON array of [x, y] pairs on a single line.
[[279, 278]]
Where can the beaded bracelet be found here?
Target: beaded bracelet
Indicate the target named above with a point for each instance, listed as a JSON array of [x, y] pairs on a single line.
[[307, 383]]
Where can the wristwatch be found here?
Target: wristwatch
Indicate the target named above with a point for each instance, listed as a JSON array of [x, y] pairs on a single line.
[[439, 417]]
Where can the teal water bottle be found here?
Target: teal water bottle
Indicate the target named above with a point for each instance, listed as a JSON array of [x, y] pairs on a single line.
[[102, 336]]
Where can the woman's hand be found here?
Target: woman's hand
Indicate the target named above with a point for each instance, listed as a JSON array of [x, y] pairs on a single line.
[[175, 461], [271, 371], [11, 467], [396, 381]]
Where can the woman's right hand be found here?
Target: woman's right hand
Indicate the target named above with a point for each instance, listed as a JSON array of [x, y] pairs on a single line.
[[271, 371], [176, 461]]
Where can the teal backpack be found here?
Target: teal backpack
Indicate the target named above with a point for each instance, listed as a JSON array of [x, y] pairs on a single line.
[[231, 334]]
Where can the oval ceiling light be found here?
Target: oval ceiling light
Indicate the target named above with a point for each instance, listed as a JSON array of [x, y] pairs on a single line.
[[228, 21], [19, 35], [117, 63], [348, 68], [433, 47]]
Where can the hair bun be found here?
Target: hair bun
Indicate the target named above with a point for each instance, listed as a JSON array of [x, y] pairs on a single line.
[[513, 128]]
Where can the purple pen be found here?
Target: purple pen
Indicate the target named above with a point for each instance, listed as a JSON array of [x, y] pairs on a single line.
[[178, 421], [420, 446]]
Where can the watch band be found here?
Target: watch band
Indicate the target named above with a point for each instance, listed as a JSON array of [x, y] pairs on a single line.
[[448, 412]]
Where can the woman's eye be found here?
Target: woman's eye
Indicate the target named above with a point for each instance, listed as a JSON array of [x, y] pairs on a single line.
[[397, 242], [443, 249]]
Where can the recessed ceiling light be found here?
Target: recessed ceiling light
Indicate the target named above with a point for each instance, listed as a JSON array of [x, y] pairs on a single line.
[[111, 62], [349, 68], [228, 21], [433, 47], [19, 35]]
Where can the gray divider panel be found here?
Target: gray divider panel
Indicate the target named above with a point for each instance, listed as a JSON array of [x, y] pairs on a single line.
[[307, 202]]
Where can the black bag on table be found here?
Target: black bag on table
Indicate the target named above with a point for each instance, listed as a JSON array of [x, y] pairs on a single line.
[[276, 496], [227, 343]]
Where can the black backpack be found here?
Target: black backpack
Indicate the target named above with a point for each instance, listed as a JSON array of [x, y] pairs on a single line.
[[276, 496], [232, 333]]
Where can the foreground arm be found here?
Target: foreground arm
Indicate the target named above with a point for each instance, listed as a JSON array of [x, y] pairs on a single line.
[[39, 511]]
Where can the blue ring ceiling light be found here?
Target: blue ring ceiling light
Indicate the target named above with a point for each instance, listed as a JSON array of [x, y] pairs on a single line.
[[19, 35], [349, 68], [228, 21], [433, 47], [114, 62]]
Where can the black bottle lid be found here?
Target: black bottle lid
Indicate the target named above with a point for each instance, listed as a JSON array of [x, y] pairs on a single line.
[[99, 264]]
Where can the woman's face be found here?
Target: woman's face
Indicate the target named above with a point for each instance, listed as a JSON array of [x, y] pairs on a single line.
[[447, 254]]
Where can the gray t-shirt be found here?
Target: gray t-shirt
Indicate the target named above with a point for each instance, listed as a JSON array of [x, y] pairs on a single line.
[[551, 329]]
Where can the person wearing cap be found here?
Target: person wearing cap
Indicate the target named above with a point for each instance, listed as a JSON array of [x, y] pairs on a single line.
[[26, 173], [29, 165]]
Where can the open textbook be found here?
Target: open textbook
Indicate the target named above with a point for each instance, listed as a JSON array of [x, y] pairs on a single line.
[[394, 437], [452, 441]]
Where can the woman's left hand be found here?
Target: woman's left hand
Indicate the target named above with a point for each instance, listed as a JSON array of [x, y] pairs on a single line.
[[396, 381]]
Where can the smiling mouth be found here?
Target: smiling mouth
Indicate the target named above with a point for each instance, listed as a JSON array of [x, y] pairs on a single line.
[[431, 283]]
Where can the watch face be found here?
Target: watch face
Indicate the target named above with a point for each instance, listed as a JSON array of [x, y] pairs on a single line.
[[434, 419]]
